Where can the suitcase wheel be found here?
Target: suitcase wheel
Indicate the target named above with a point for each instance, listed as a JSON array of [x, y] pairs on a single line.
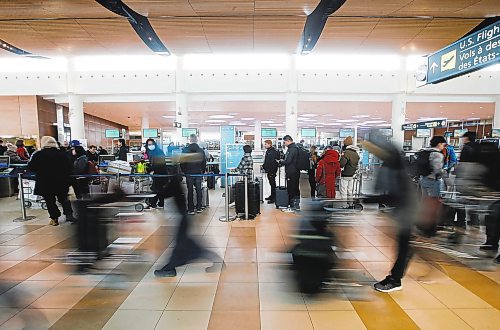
[[139, 207], [358, 207], [44, 205], [28, 204]]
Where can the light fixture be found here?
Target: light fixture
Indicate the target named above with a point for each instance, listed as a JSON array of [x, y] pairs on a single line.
[[169, 117], [375, 121], [221, 116], [361, 116], [309, 115], [347, 120], [215, 121], [267, 122], [247, 118]]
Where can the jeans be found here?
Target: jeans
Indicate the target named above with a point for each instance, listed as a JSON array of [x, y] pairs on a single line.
[[293, 189], [404, 254], [347, 189], [54, 212], [312, 181], [430, 187], [194, 182], [272, 182]]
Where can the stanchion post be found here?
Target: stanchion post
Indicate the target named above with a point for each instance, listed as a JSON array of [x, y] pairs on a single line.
[[246, 197], [24, 217], [226, 218]]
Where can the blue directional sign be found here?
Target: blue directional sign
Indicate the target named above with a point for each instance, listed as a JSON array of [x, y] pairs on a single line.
[[468, 54]]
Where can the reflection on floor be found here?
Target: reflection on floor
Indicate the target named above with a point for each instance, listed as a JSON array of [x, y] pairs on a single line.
[[253, 291]]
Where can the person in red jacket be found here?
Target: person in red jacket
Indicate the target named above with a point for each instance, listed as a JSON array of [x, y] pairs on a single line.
[[21, 150], [327, 173]]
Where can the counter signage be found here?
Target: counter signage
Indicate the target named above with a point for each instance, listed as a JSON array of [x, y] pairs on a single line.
[[227, 136], [234, 153], [424, 124], [495, 133], [468, 54]]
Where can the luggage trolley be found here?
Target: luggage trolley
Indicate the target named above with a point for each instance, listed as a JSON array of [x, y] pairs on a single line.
[[30, 199], [329, 204]]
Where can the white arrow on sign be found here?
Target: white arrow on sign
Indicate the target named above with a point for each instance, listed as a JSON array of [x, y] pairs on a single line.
[[433, 67]]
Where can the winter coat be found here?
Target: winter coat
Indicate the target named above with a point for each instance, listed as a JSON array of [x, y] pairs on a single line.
[[291, 159], [81, 165], [270, 161], [52, 170], [3, 149], [93, 157], [194, 167], [469, 153], [158, 165], [23, 153], [328, 170], [349, 161], [121, 153], [436, 161], [245, 166], [14, 158]]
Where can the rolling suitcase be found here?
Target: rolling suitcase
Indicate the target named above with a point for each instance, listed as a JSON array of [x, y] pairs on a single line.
[[253, 198], [261, 185], [205, 201], [211, 181], [281, 194]]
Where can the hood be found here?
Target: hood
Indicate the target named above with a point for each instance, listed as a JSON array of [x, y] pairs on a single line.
[[48, 142], [11, 147], [354, 148], [331, 156]]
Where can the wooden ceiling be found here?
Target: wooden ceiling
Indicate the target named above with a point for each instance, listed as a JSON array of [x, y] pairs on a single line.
[[74, 27]]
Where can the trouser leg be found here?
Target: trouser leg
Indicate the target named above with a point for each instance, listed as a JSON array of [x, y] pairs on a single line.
[[293, 189], [272, 183], [199, 196], [190, 196], [50, 201], [404, 255], [66, 205]]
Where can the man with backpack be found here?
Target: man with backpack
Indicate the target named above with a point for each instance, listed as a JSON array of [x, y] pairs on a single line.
[[349, 161], [194, 168], [292, 172], [430, 169]]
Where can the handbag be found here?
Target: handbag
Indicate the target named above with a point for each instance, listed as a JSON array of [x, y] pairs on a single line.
[[321, 187]]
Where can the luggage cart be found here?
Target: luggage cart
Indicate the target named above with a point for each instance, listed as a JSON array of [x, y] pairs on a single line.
[[30, 199], [330, 204]]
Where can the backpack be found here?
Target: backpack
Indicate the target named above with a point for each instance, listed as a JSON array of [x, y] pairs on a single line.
[[91, 169], [421, 166], [303, 159]]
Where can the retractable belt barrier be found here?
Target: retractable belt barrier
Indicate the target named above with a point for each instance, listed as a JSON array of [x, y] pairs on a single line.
[[227, 217]]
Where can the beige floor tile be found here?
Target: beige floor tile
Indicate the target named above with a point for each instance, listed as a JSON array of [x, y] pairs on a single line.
[[275, 242], [196, 273], [368, 253], [239, 273], [237, 297], [215, 241], [133, 319], [7, 313], [25, 293], [54, 272], [289, 320], [150, 276], [438, 319], [328, 302], [230, 320], [7, 249], [62, 296], [4, 265], [274, 272], [348, 320], [241, 242], [34, 319], [184, 320], [480, 318], [192, 297], [240, 255], [414, 296], [280, 297], [453, 295], [149, 296], [273, 255]]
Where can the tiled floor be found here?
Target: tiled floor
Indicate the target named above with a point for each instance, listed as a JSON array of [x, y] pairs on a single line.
[[254, 290]]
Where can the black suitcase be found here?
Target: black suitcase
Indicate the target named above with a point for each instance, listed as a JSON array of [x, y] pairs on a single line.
[[253, 198], [281, 194], [211, 181]]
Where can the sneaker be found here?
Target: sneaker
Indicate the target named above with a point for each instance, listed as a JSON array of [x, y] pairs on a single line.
[[497, 259], [150, 207], [388, 284], [54, 222], [488, 247], [288, 210], [268, 198], [199, 210], [270, 201], [70, 219], [166, 273], [191, 213], [161, 207]]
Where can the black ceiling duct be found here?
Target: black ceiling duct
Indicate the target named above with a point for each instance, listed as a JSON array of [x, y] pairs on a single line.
[[140, 24], [315, 24], [18, 51]]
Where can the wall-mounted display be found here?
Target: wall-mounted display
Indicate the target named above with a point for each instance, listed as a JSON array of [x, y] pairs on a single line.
[[459, 132], [495, 133], [150, 133], [308, 132], [345, 132], [423, 132], [112, 133], [186, 132], [269, 132]]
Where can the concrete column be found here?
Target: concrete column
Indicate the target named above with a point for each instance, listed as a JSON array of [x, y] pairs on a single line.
[[355, 137], [144, 124], [258, 135], [398, 119], [76, 116], [60, 123], [496, 117], [181, 114], [291, 115]]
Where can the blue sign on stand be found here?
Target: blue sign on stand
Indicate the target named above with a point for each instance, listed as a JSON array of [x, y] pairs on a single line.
[[234, 153], [468, 54], [227, 136]]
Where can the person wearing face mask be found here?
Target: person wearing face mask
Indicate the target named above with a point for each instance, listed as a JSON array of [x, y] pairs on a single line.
[[158, 166]]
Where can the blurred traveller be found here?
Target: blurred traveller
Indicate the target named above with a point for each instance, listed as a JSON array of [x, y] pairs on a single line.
[[270, 166], [311, 172], [430, 183], [468, 160], [245, 167], [122, 150], [80, 167], [92, 154], [170, 148], [193, 171], [52, 170], [21, 150], [349, 161], [394, 188], [157, 166], [65, 146], [327, 173], [186, 248], [3, 148], [12, 153], [292, 172]]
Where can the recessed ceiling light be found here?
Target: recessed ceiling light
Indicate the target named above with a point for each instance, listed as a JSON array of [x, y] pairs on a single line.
[[347, 120], [361, 116], [267, 121], [474, 118], [169, 117], [480, 107], [309, 115], [247, 118], [215, 121], [221, 116]]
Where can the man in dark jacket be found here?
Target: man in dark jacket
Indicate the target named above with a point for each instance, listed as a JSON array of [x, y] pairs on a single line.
[[3, 148], [52, 170], [92, 154], [157, 166], [349, 161], [122, 151], [270, 166], [292, 173], [196, 168]]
